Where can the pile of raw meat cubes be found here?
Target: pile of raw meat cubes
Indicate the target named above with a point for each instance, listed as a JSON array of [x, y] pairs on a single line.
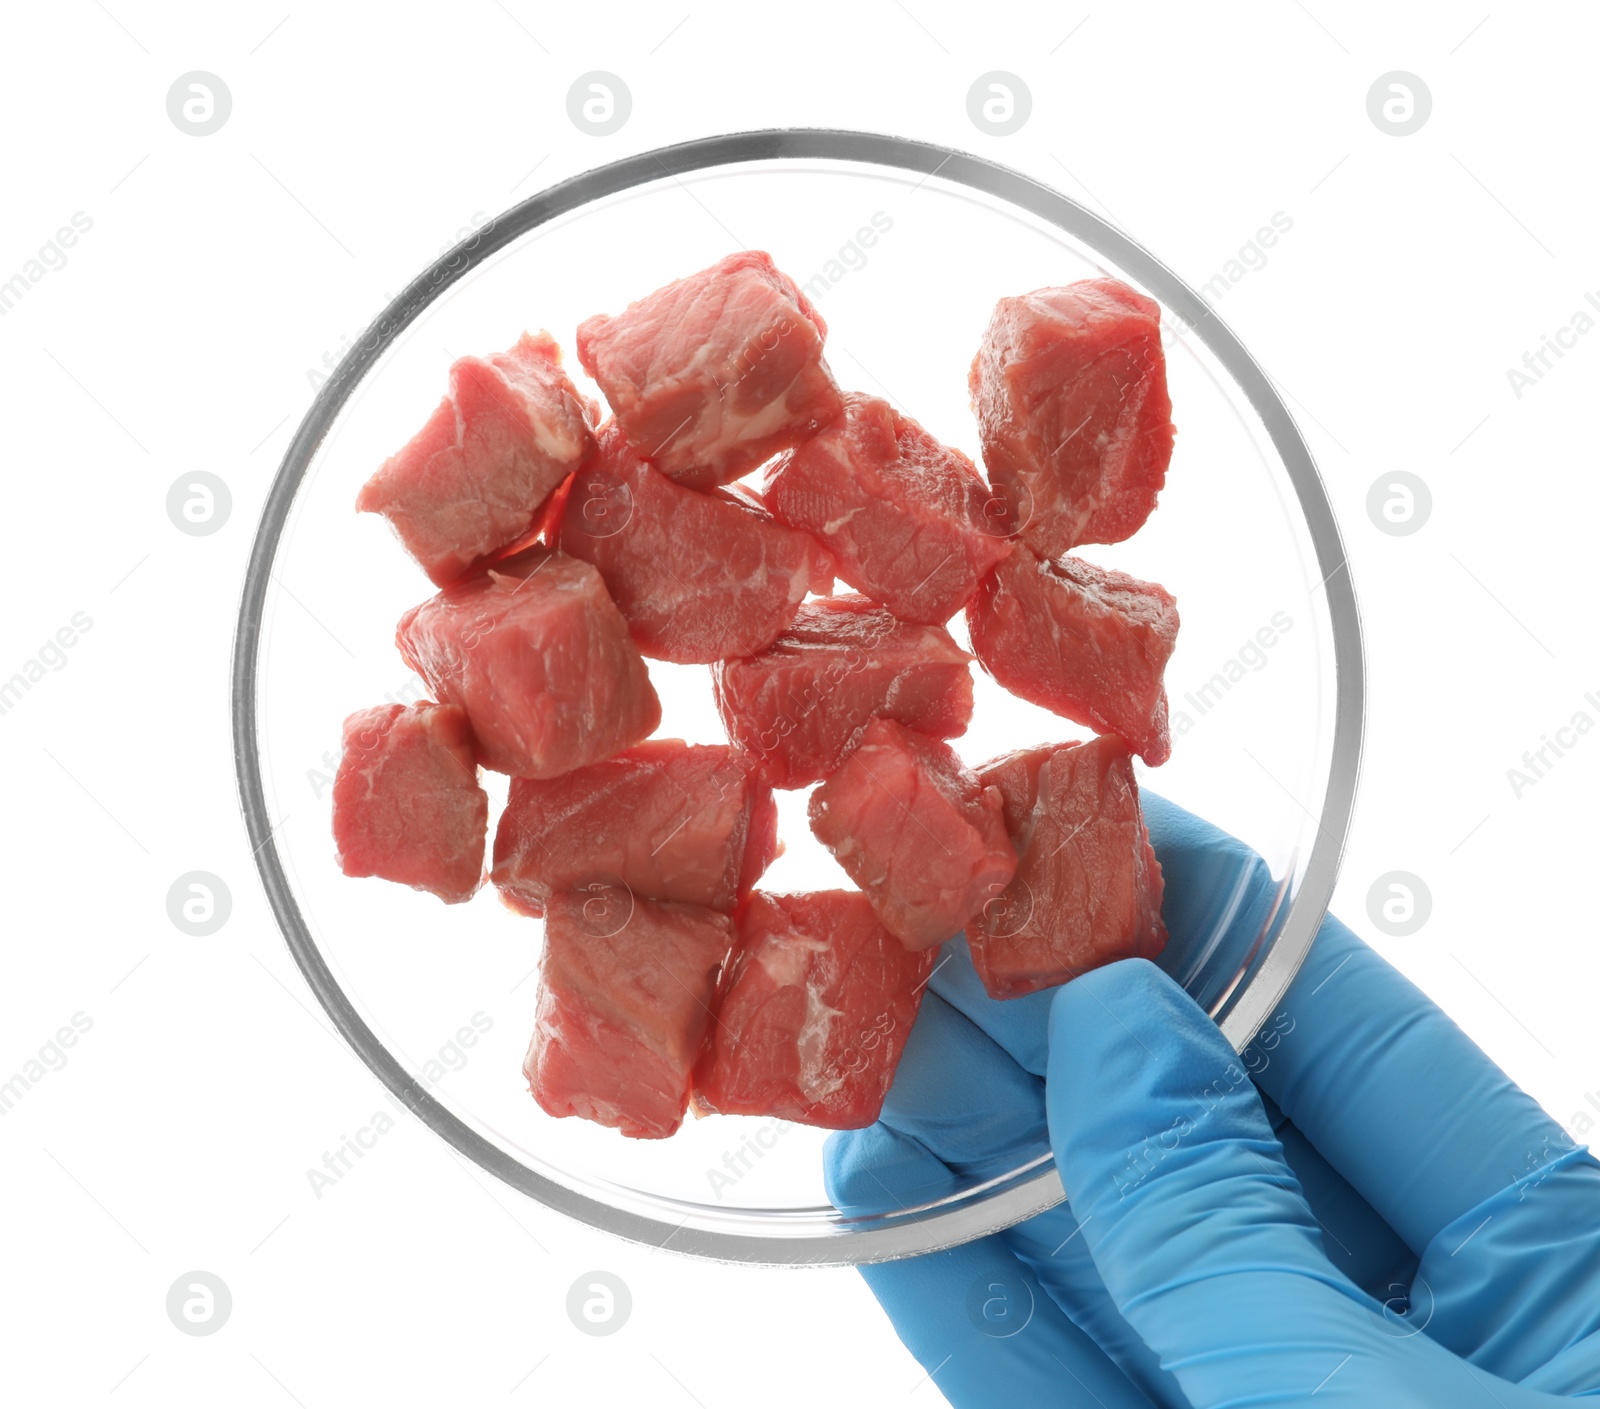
[[568, 549]]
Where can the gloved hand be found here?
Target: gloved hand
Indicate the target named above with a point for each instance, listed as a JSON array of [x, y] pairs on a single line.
[[1361, 1209]]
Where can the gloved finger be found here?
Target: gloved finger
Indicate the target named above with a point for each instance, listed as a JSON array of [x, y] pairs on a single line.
[[1396, 1096], [1197, 1224], [1354, 1238], [975, 1318], [1514, 1283], [1018, 1026], [1051, 1246], [963, 1100], [1218, 895], [1401, 1101], [1406, 1108], [1428, 1131]]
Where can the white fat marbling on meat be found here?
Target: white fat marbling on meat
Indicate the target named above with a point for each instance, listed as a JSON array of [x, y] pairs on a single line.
[[788, 964], [814, 1077]]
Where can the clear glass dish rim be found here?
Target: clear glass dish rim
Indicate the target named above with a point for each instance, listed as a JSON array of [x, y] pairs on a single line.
[[908, 1234]]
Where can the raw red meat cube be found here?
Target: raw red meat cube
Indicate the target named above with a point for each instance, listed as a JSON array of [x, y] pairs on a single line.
[[1070, 387], [697, 576], [623, 1010], [1083, 641], [917, 831], [406, 801], [1088, 889], [911, 521], [814, 1008], [669, 820], [713, 374], [472, 479], [539, 656], [800, 704]]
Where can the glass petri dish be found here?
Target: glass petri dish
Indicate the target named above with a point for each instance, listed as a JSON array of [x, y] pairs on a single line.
[[904, 246]]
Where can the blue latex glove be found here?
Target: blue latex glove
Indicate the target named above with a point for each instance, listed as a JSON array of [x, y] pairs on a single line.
[[1359, 1210]]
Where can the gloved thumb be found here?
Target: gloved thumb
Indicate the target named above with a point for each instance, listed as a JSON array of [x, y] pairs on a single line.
[[1197, 1224]]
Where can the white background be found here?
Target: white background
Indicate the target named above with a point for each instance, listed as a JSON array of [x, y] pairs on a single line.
[[362, 141]]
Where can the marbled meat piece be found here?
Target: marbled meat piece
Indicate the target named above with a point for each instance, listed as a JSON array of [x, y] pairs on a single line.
[[799, 705], [916, 830], [666, 819], [1070, 389], [697, 576], [1087, 890], [813, 1010], [540, 658], [406, 801], [511, 428], [714, 373], [910, 521], [1088, 643], [623, 1007]]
